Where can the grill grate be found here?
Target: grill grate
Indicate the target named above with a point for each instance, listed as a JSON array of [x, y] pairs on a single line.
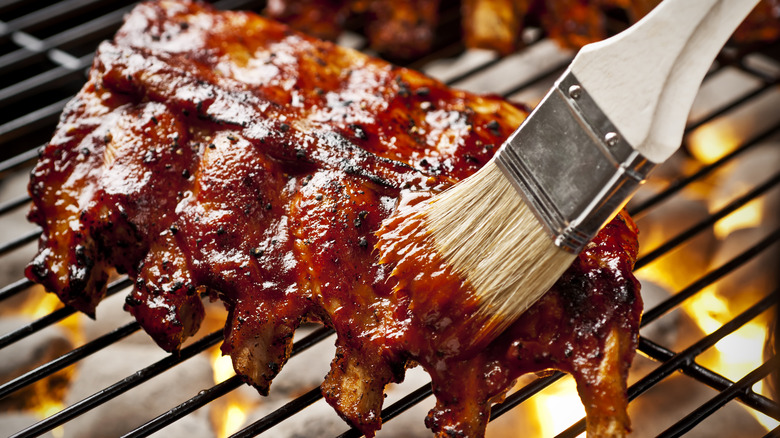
[[45, 50]]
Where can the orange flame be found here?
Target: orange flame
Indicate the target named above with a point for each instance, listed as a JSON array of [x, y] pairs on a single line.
[[233, 412]]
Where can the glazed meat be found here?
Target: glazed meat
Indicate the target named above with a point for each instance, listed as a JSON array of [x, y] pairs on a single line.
[[223, 155], [396, 28], [406, 29]]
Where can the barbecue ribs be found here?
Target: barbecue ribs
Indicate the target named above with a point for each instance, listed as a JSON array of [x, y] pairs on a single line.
[[403, 28], [221, 154]]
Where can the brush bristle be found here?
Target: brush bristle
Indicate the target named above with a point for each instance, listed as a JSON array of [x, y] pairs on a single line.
[[486, 232]]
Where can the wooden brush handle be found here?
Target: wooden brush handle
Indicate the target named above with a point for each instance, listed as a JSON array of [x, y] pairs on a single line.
[[646, 78]]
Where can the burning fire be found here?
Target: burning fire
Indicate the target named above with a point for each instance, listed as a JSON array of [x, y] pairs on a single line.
[[46, 400], [230, 415], [712, 141], [740, 352], [557, 407], [747, 216]]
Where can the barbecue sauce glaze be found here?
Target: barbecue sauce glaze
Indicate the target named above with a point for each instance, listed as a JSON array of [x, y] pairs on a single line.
[[222, 154]]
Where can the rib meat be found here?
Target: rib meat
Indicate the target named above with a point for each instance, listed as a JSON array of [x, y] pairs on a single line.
[[405, 28], [221, 154]]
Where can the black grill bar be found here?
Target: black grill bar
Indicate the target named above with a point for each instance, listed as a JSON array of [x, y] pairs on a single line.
[[30, 122], [281, 414], [31, 236], [53, 317], [43, 82], [206, 396], [90, 30], [709, 278], [47, 16], [705, 375], [676, 186], [68, 358], [714, 217], [18, 161], [13, 204], [733, 104], [15, 288], [684, 359], [120, 387], [721, 399]]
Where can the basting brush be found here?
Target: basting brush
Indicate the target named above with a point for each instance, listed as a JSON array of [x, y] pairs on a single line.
[[515, 226]]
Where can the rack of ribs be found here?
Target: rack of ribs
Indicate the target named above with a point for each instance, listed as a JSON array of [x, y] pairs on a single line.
[[224, 155], [406, 28]]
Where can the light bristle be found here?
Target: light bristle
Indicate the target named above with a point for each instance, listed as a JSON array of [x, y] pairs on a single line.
[[486, 232]]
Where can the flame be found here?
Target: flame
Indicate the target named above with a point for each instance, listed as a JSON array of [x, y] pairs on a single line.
[[230, 415], [712, 141], [222, 366], [749, 215], [557, 407], [738, 353], [41, 303], [48, 408]]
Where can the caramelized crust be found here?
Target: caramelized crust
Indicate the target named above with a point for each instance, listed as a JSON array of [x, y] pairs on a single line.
[[406, 29], [222, 154]]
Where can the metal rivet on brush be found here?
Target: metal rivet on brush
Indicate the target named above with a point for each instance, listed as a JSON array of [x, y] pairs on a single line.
[[611, 139], [575, 91]]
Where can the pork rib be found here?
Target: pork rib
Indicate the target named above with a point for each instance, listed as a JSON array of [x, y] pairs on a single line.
[[223, 154]]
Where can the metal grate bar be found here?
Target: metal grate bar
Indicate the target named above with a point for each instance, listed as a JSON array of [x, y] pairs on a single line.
[[556, 70], [705, 375], [396, 408], [721, 399], [767, 78], [84, 32], [525, 393], [52, 318], [709, 278], [20, 241], [217, 391], [685, 358], [13, 204], [732, 105], [710, 220], [15, 288], [68, 358], [43, 82], [27, 123], [46, 16], [773, 434], [676, 186], [281, 414], [120, 387], [35, 326], [20, 160]]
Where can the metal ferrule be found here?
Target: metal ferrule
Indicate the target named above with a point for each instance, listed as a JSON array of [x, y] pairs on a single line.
[[571, 164]]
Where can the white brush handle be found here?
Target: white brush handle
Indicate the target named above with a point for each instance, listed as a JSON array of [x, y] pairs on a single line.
[[646, 78]]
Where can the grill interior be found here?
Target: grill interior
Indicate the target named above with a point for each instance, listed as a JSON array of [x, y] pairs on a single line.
[[46, 49]]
